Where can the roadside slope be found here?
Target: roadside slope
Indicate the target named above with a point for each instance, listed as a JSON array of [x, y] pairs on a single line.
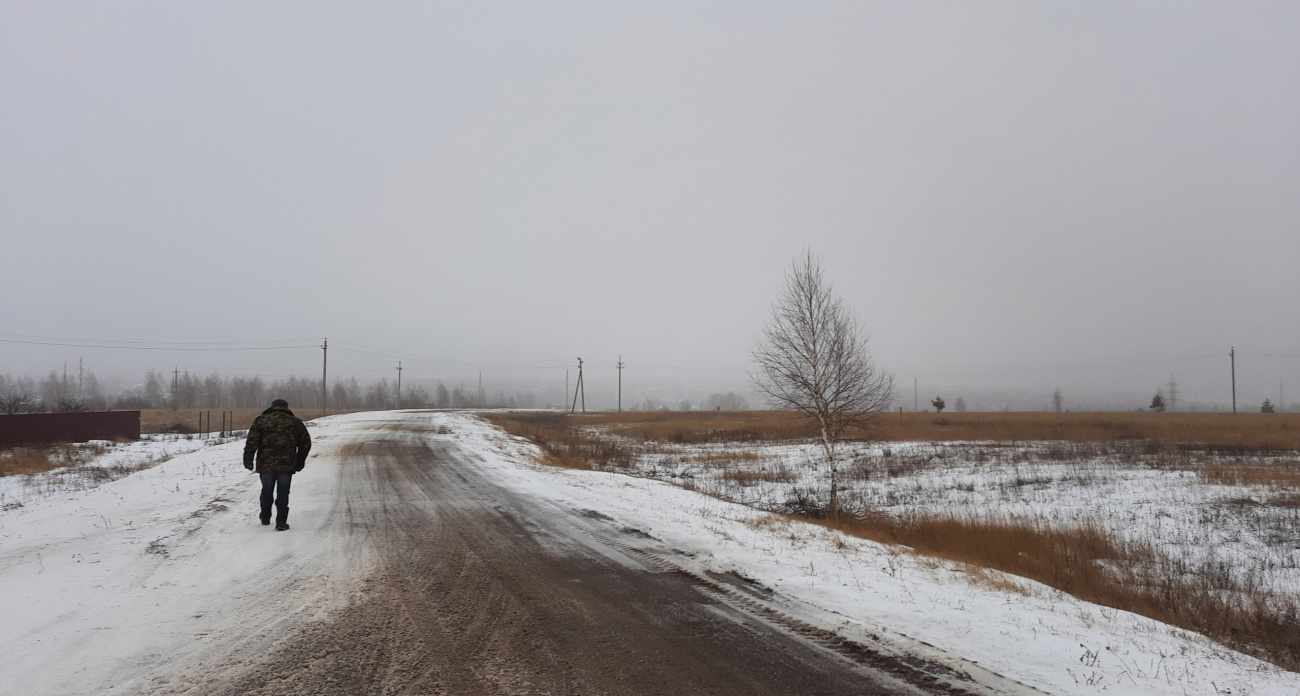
[[999, 628]]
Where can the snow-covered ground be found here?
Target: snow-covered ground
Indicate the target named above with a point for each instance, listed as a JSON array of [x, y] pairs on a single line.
[[118, 587], [139, 580], [97, 462], [1247, 537]]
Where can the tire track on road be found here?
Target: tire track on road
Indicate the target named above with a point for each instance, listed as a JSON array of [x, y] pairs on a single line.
[[479, 591]]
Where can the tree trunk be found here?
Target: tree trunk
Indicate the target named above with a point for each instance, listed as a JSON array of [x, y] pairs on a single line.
[[834, 505]]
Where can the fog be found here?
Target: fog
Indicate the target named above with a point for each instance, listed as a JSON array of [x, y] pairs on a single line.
[[1014, 197]]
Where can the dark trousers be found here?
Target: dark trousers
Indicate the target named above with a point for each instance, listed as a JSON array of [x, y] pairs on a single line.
[[275, 486]]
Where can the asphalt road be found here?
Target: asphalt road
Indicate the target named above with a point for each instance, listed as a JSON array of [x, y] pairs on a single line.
[[478, 590]]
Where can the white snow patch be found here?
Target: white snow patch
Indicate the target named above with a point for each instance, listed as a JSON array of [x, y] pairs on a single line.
[[120, 587]]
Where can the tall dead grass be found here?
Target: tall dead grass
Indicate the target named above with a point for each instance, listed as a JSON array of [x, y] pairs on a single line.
[[1285, 475], [695, 427], [1089, 564], [563, 444], [1228, 432], [41, 458]]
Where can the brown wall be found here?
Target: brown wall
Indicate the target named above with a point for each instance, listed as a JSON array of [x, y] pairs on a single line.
[[27, 428]]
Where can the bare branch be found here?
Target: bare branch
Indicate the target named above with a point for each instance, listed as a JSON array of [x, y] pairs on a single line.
[[813, 359]]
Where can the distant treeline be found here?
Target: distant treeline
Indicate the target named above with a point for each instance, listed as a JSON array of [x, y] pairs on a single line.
[[59, 393]]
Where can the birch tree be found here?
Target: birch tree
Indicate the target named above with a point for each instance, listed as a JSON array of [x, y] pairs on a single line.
[[812, 359]]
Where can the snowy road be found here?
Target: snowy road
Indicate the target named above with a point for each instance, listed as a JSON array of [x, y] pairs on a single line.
[[479, 590], [430, 555]]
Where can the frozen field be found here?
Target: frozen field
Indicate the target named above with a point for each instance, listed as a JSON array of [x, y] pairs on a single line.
[[93, 463], [1189, 509]]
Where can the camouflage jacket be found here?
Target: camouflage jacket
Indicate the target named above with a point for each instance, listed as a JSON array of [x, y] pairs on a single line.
[[279, 442]]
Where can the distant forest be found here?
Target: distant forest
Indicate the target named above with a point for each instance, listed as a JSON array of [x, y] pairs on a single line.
[[62, 393]]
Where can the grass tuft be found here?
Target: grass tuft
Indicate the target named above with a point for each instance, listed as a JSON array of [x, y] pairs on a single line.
[[41, 458]]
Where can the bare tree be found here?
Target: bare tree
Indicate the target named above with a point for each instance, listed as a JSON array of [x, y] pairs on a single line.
[[17, 395], [812, 359], [12, 402]]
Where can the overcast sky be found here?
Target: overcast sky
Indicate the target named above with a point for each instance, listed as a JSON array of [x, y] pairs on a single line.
[[1015, 196]]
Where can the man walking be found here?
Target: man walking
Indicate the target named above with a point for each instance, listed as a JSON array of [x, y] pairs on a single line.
[[279, 443]]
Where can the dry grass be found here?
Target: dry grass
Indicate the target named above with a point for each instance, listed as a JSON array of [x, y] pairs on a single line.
[[563, 445], [186, 420], [724, 457], [42, 458], [1227, 432], [1087, 563], [1286, 475], [682, 427], [747, 477]]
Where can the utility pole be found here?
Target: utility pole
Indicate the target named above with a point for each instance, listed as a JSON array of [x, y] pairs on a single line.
[[1173, 393], [578, 389], [566, 388], [482, 402], [176, 378], [324, 388], [399, 384], [80, 373], [620, 384], [1232, 355], [916, 403]]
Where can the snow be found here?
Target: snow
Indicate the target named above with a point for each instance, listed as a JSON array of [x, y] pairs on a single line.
[[125, 586], [95, 462], [119, 587]]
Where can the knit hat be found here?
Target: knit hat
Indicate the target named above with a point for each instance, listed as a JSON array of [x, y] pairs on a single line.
[[279, 403]]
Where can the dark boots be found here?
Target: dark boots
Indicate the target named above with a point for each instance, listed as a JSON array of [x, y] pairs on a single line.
[[281, 517], [265, 517]]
